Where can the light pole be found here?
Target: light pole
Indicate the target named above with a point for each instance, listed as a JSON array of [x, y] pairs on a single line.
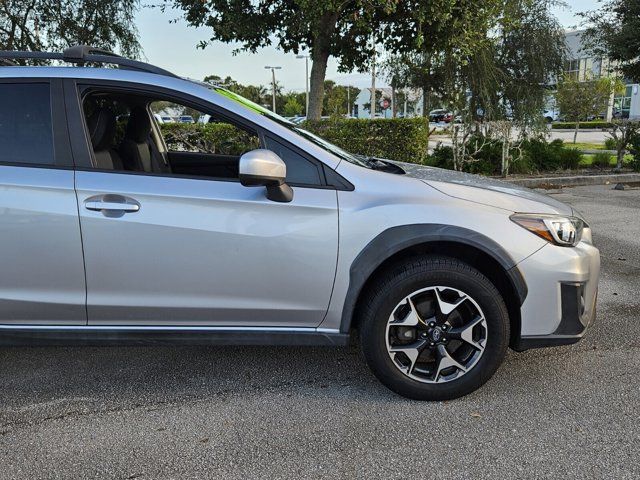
[[273, 84], [372, 112], [306, 80]]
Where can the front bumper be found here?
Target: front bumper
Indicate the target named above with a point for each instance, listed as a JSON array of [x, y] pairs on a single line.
[[561, 303]]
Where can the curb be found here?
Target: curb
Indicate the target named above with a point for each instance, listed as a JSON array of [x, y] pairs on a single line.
[[577, 181]]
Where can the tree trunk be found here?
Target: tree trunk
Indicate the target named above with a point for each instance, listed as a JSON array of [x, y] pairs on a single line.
[[316, 88], [393, 101], [320, 51], [620, 158], [425, 102], [575, 134]]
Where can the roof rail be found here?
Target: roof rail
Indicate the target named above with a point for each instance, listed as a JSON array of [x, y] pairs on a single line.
[[81, 54]]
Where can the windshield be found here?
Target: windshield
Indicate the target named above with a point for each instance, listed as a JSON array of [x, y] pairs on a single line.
[[327, 146]]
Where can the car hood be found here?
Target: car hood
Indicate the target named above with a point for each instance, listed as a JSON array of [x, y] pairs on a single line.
[[487, 191]]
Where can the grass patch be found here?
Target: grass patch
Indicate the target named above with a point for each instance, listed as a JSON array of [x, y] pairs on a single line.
[[587, 160], [585, 145]]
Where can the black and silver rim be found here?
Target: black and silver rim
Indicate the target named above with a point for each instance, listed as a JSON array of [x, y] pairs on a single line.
[[436, 335]]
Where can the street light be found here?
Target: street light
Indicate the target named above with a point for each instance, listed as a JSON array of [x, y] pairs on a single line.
[[273, 84], [306, 79]]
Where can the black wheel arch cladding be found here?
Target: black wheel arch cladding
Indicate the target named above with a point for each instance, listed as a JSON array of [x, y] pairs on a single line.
[[397, 239]]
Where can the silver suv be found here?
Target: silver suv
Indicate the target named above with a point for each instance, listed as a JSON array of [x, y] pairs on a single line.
[[243, 228]]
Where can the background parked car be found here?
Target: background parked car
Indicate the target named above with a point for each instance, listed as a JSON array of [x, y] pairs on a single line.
[[440, 115], [550, 115], [163, 118]]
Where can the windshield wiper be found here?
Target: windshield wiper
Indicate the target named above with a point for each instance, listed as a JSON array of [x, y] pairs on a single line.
[[382, 165]]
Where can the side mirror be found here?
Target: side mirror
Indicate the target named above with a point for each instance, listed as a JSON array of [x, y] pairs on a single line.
[[265, 168]]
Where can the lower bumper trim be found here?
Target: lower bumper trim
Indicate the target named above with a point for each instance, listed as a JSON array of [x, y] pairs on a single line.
[[542, 341]]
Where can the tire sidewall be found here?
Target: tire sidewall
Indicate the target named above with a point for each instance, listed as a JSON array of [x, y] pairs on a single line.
[[466, 280]]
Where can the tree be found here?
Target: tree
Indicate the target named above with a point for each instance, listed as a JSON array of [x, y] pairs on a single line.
[[530, 51], [292, 107], [488, 60], [623, 133], [580, 100], [342, 29], [336, 98], [613, 33], [436, 40], [54, 25]]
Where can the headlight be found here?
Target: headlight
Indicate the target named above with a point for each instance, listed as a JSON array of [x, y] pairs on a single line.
[[556, 229]]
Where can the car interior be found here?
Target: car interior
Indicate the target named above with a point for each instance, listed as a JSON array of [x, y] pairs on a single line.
[[125, 136]]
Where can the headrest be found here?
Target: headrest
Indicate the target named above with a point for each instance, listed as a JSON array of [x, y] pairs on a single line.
[[102, 128], [139, 125]]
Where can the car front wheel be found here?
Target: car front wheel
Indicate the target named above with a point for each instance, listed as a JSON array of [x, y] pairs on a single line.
[[433, 328]]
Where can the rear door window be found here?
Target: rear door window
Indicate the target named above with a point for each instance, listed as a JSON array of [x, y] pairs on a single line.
[[26, 133]]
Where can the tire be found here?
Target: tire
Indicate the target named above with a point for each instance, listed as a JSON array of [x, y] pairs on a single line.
[[429, 286]]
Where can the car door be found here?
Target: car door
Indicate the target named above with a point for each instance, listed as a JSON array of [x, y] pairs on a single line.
[[42, 272], [190, 251]]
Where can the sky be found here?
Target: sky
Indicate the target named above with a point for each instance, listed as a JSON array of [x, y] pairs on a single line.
[[173, 46]]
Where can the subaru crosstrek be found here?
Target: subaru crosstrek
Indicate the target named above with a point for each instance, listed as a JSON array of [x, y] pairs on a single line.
[[243, 228]]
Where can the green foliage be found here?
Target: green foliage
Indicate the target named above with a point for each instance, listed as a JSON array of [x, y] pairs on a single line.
[[601, 160], [342, 30], [634, 148], [441, 157], [536, 155], [404, 140], [613, 33], [610, 144], [569, 158], [55, 25], [221, 138], [502, 52], [572, 125], [292, 108]]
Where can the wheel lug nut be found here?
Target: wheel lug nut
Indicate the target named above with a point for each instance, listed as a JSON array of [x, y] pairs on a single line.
[[432, 324], [431, 343], [444, 327], [424, 335]]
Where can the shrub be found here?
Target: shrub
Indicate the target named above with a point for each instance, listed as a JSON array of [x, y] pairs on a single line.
[[569, 158], [404, 140], [634, 148], [442, 157], [543, 155], [610, 144], [601, 160], [572, 125]]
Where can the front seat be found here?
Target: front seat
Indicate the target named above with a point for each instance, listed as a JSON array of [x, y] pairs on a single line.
[[135, 148], [102, 130]]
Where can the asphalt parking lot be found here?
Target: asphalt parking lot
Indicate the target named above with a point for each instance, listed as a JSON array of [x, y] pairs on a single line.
[[153, 413]]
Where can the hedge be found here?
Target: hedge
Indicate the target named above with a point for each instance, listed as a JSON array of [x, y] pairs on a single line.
[[404, 140], [221, 138], [572, 125]]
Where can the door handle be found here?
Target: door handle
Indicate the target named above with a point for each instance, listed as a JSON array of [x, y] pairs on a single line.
[[113, 206]]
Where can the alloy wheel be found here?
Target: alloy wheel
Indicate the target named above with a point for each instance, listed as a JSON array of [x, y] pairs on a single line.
[[436, 334]]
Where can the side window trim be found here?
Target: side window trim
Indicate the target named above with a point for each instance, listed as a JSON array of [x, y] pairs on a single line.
[[80, 143], [62, 158]]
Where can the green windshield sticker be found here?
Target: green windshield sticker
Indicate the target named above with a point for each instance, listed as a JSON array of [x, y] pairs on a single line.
[[242, 101]]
